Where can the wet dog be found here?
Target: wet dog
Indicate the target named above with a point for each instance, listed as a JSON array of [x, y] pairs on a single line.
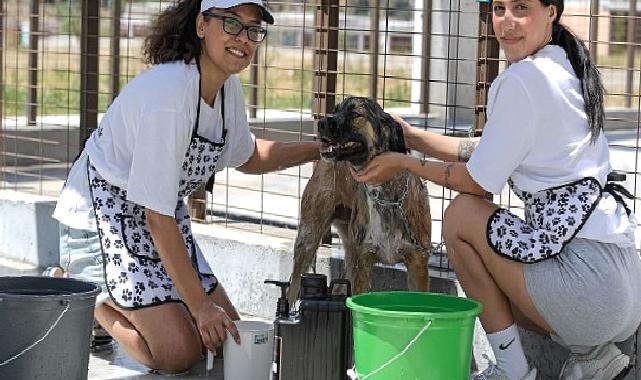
[[389, 223]]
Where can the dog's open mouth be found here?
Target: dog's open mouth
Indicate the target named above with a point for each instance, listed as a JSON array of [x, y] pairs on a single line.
[[340, 150]]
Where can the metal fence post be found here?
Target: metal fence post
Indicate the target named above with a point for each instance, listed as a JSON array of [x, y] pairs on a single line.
[[487, 66], [325, 65], [375, 17], [594, 29], [89, 33], [426, 51], [114, 49], [2, 87], [253, 82], [2, 84], [631, 51], [32, 86], [325, 57]]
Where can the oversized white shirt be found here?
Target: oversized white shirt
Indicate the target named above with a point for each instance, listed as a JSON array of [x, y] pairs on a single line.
[[537, 134], [141, 142]]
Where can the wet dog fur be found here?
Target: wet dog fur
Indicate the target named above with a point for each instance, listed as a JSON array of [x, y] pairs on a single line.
[[390, 223]]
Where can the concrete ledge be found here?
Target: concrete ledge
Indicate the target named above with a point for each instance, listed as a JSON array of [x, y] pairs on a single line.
[[28, 233], [242, 261]]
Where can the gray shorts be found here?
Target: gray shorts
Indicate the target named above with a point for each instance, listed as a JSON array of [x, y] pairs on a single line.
[[81, 257], [590, 294]]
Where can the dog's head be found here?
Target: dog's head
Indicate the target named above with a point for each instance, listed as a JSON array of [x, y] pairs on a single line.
[[358, 131]]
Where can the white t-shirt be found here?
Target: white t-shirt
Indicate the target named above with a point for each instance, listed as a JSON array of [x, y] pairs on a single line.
[[142, 140], [537, 134]]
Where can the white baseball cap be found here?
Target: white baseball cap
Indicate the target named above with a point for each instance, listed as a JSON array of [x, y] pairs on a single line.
[[226, 4]]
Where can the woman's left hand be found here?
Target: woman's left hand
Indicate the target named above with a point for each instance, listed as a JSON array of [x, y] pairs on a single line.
[[381, 168]]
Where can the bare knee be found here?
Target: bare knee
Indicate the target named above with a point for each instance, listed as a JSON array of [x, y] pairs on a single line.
[[459, 207]]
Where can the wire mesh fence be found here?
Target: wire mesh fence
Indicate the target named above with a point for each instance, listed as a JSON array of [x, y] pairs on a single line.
[[430, 61]]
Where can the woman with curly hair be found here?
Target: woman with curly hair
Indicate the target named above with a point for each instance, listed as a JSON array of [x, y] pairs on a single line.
[[125, 222]]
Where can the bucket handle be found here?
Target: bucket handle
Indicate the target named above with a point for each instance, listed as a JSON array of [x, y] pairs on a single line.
[[354, 375], [32, 345]]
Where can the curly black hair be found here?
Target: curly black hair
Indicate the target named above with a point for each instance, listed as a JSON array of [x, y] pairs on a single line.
[[173, 35]]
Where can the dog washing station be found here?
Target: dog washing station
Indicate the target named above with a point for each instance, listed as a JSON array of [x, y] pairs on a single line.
[[243, 261]]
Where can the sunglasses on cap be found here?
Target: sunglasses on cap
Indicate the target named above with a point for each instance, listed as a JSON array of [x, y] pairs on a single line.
[[233, 26]]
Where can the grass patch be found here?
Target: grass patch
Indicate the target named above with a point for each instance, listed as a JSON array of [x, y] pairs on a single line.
[[278, 88]]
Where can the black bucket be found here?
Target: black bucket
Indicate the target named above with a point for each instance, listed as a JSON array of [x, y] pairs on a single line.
[[45, 327]]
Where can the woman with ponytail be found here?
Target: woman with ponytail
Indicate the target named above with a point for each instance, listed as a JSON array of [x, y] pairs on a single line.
[[569, 268], [124, 220]]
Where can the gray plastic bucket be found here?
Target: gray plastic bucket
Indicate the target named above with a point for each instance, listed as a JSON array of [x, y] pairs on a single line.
[[45, 327]]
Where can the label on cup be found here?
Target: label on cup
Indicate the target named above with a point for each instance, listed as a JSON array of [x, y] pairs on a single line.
[[261, 338]]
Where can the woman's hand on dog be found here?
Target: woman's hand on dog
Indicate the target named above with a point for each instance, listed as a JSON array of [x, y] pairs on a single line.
[[212, 321], [407, 129], [381, 168]]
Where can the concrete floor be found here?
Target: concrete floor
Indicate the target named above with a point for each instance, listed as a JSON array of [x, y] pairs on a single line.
[[117, 365]]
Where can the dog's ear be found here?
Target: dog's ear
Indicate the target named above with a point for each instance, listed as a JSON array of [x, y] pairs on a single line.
[[336, 107], [396, 137]]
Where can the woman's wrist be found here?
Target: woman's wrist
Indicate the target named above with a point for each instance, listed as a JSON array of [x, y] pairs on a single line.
[[196, 302], [414, 165], [410, 137]]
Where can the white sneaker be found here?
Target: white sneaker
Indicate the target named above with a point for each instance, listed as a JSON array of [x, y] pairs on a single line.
[[492, 372], [603, 363]]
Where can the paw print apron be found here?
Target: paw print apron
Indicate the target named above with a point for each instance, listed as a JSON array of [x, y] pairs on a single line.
[[552, 218], [134, 274]]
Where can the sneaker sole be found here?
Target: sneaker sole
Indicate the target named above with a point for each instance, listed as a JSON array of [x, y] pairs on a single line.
[[615, 368], [623, 373]]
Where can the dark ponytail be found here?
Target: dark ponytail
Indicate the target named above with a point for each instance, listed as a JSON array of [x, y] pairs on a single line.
[[173, 35], [584, 68]]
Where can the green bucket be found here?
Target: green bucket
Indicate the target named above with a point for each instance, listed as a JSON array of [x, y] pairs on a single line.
[[412, 335]]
